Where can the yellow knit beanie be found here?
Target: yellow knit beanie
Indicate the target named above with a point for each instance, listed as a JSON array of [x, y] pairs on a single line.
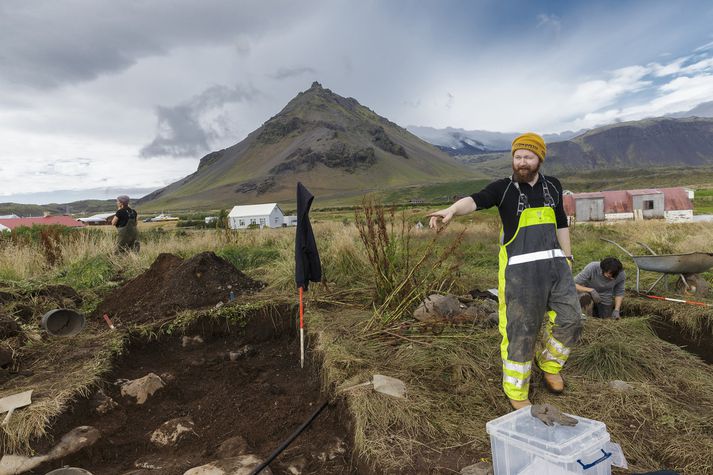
[[532, 142]]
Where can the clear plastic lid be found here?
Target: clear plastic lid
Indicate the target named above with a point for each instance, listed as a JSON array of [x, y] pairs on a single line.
[[561, 443]]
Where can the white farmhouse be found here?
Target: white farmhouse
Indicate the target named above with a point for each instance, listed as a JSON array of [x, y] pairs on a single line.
[[268, 214]]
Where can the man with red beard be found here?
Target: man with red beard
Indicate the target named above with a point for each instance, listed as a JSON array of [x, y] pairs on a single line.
[[535, 274]]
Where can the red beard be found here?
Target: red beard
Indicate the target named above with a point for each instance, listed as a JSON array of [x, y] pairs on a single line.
[[525, 174]]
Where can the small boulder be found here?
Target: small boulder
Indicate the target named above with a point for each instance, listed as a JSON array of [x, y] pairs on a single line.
[[438, 307], [173, 431], [142, 388], [243, 465], [480, 468]]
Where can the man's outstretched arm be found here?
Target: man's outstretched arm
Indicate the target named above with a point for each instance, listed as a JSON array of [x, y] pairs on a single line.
[[459, 208]]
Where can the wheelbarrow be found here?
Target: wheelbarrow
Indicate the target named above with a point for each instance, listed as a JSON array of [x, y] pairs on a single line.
[[687, 266]]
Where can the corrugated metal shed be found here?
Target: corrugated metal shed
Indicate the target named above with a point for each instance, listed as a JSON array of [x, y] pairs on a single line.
[[622, 201], [676, 199]]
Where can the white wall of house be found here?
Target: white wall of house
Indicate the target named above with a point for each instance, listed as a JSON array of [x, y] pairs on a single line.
[[272, 218], [679, 216], [618, 216], [290, 221]]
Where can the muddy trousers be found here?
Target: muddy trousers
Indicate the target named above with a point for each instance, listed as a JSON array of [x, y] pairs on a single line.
[[127, 237], [529, 291]]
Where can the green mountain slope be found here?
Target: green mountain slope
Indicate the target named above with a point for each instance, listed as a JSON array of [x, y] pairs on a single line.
[[338, 148]]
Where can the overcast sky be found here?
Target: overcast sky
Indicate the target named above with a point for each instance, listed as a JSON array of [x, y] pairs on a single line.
[[100, 96]]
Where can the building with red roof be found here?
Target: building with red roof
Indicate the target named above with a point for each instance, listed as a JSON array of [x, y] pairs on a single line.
[[671, 204], [14, 223]]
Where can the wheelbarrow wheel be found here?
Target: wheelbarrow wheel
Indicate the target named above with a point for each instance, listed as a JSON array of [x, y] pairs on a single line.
[[697, 285]]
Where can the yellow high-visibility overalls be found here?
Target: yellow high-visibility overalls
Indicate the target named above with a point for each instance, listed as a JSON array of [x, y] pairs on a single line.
[[534, 279]]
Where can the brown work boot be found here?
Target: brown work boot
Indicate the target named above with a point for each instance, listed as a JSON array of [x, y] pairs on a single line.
[[554, 382], [520, 404]]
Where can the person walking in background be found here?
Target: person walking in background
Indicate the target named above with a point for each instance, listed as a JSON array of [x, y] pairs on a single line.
[[125, 222], [535, 274], [601, 283]]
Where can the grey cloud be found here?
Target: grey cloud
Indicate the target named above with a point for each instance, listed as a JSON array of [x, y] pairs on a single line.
[[77, 167], [284, 73], [46, 44], [551, 23], [180, 132]]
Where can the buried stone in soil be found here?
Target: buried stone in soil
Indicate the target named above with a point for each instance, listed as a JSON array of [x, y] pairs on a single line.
[[218, 415]]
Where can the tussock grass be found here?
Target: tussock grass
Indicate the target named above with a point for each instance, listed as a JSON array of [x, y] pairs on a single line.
[[695, 321], [63, 369], [454, 388], [453, 378]]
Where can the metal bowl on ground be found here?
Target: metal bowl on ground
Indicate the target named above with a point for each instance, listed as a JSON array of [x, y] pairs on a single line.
[[63, 322]]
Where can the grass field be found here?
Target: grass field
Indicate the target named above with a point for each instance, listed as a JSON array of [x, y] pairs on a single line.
[[374, 284]]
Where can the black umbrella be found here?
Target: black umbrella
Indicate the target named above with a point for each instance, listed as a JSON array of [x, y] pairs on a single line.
[[307, 265]]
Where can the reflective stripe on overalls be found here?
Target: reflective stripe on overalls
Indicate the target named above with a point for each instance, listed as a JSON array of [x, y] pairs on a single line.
[[534, 278]]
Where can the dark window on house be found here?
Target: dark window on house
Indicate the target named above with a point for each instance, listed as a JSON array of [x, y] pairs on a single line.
[[648, 204]]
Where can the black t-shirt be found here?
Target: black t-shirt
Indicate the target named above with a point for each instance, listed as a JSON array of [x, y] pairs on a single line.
[[124, 215], [492, 195]]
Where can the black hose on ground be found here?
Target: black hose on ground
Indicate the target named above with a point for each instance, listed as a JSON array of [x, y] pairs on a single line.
[[289, 440]]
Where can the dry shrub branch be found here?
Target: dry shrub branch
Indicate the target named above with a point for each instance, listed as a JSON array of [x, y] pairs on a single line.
[[404, 268]]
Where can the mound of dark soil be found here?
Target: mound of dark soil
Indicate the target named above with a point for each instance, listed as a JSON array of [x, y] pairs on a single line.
[[172, 284]]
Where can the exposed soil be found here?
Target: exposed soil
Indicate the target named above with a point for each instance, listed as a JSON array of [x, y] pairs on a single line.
[[670, 332], [262, 397], [172, 284]]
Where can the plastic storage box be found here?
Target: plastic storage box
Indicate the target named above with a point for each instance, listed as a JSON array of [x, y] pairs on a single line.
[[523, 445]]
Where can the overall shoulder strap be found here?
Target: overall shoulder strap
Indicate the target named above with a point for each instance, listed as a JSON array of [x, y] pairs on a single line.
[[522, 201]]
